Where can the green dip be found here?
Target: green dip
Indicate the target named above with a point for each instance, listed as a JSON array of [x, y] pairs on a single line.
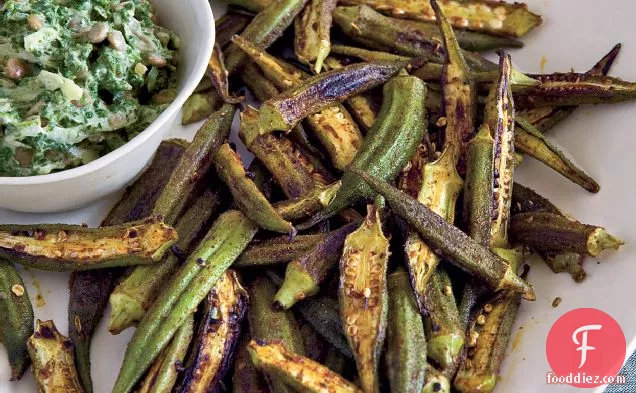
[[78, 79]]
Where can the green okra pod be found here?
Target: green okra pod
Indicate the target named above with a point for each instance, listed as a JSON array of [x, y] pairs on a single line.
[[553, 232], [228, 25], [276, 153], [53, 362], [304, 276], [250, 5], [246, 194], [432, 73], [200, 106], [458, 94], [361, 107], [500, 119], [195, 163], [366, 54], [132, 297], [61, 247], [532, 142], [546, 118], [89, 290], [444, 332], [334, 127], [268, 323], [277, 250], [225, 308], [363, 296], [389, 144], [497, 18], [246, 378], [321, 92], [17, 312], [526, 200], [297, 371], [567, 89], [435, 381], [488, 336], [440, 186], [406, 341], [227, 238], [261, 87], [266, 27], [312, 33], [321, 312], [162, 376], [449, 241], [219, 76]]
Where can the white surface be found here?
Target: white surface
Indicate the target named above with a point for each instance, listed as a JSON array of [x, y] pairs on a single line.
[[576, 33], [78, 186]]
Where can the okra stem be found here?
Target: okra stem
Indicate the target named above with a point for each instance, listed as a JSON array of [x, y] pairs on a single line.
[[59, 247], [553, 232], [304, 276], [449, 241]]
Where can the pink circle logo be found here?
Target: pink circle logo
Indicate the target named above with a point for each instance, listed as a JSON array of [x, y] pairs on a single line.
[[585, 348]]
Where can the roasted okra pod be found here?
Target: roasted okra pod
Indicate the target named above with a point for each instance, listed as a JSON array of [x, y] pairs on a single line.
[[312, 32]]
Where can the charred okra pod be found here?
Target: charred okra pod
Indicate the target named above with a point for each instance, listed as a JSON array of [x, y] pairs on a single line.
[[553, 232], [162, 376], [52, 357], [267, 323], [573, 88], [250, 5], [498, 18], [321, 92], [266, 27], [450, 241], [59, 247], [363, 296], [228, 25], [225, 309], [444, 333], [133, 296], [333, 126], [312, 33], [488, 336], [17, 315], [246, 378], [366, 54], [276, 155], [458, 91], [304, 275], [246, 194], [546, 118], [439, 189], [277, 250], [406, 343], [530, 141], [389, 144], [195, 163], [432, 73], [219, 76], [296, 209], [89, 290], [227, 238], [299, 372], [360, 106], [435, 381]]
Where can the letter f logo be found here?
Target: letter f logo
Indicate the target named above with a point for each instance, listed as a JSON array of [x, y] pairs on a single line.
[[584, 347]]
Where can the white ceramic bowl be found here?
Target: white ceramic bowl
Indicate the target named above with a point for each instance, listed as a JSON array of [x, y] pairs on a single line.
[[192, 20]]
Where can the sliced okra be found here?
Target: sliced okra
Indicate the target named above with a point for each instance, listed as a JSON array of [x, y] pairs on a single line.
[[219, 76], [312, 33]]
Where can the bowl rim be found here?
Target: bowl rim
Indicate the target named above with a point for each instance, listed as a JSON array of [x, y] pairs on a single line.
[[189, 84]]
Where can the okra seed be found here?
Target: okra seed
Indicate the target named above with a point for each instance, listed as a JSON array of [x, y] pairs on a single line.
[[481, 320], [441, 122], [487, 308], [367, 293], [57, 253], [448, 290], [17, 289], [62, 236]]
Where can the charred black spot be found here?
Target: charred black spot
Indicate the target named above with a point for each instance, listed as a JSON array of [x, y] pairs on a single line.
[[133, 233], [437, 387], [179, 253], [27, 233], [250, 174], [200, 261], [46, 332], [261, 342], [178, 365], [40, 234]]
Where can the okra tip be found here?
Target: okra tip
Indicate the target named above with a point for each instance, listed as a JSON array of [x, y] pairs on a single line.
[[125, 311], [513, 282], [270, 119], [601, 240], [298, 285], [475, 383]]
